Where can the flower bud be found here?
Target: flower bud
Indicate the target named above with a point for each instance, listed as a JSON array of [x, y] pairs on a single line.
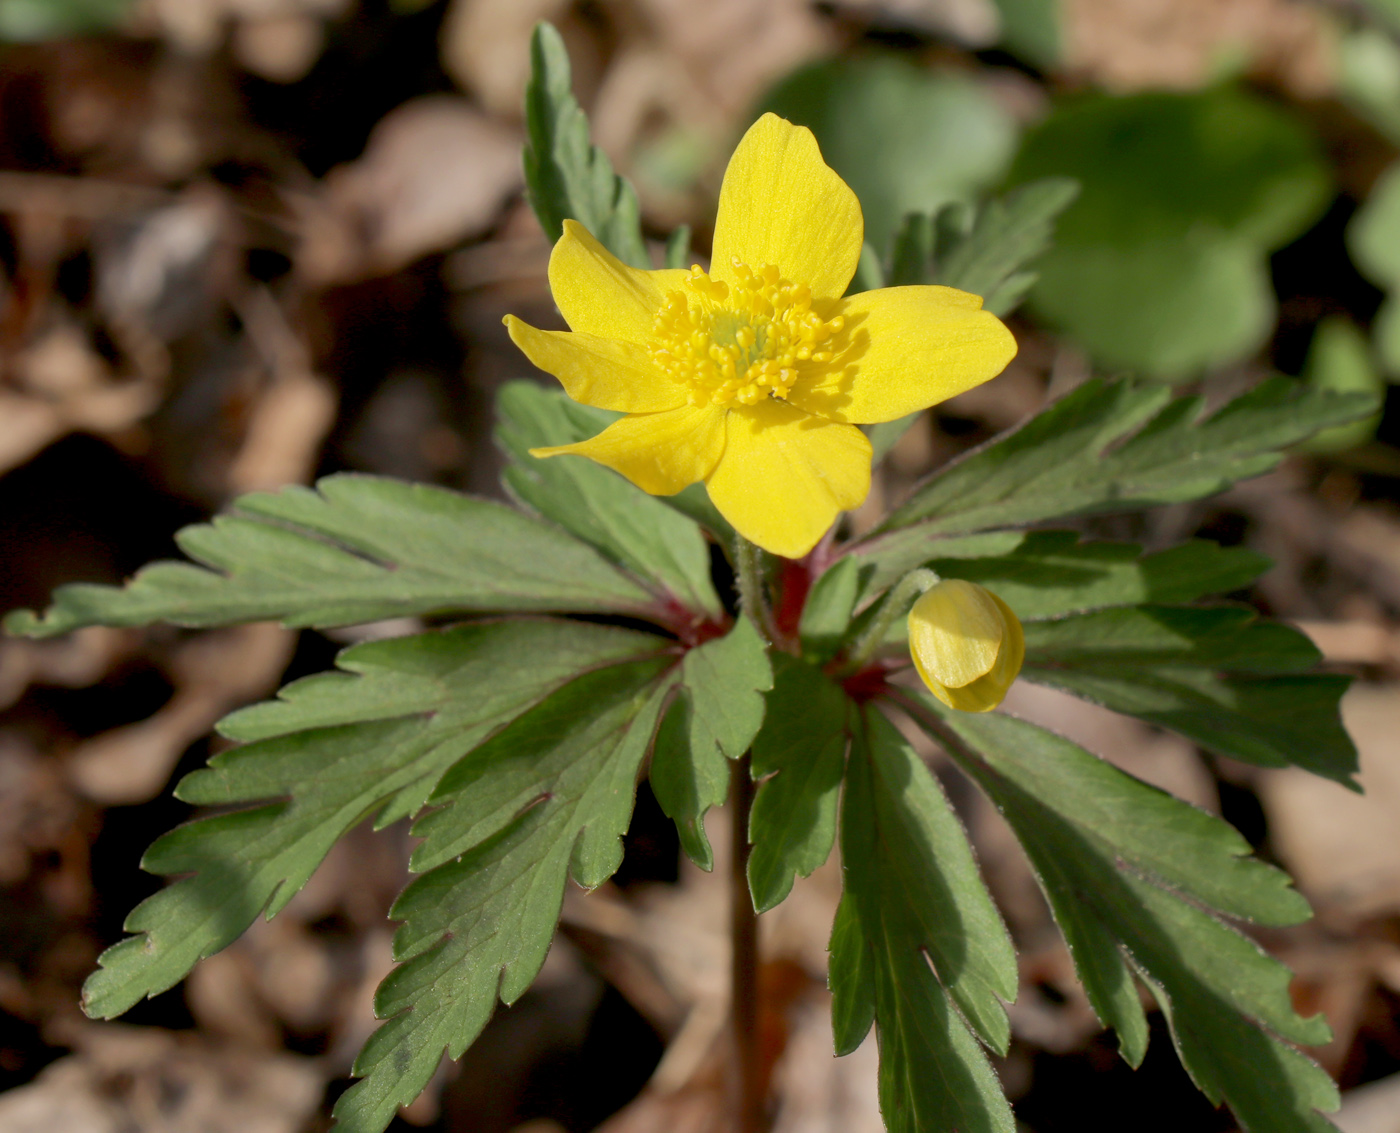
[[967, 645]]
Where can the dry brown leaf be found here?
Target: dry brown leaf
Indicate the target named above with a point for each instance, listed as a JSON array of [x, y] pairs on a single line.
[[75, 660], [1358, 641], [485, 47], [196, 27], [213, 673], [63, 386], [1373, 1108], [281, 48], [973, 23], [435, 172], [125, 1078], [1129, 45], [1344, 848], [160, 272], [38, 814]]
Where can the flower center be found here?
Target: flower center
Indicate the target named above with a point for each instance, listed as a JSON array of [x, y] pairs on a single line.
[[743, 343]]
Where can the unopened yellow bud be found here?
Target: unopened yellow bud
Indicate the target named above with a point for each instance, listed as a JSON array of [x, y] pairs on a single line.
[[967, 645]]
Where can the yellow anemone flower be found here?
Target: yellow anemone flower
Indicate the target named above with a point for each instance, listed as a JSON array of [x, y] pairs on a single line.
[[967, 645], [753, 377]]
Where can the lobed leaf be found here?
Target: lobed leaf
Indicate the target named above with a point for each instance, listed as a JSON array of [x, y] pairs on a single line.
[[1044, 574], [800, 756], [547, 799], [334, 750], [354, 549], [988, 255], [633, 529], [1118, 446], [567, 177], [826, 615], [718, 710], [918, 947], [1133, 875], [1234, 684]]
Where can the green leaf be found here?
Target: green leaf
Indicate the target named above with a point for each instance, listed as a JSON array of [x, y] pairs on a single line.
[[1373, 238], [870, 274], [1374, 234], [678, 248], [904, 138], [566, 176], [917, 929], [800, 756], [1232, 683], [885, 435], [717, 713], [1032, 29], [25, 21], [354, 549], [1008, 234], [853, 980], [1367, 68], [1045, 574], [547, 799], [334, 749], [1161, 265], [826, 615], [726, 679], [911, 255], [576, 422], [687, 781], [1132, 875], [1120, 446], [633, 529], [986, 256], [1339, 361]]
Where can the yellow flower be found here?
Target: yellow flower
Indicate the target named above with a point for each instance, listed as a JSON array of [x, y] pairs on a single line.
[[967, 645], [753, 377]]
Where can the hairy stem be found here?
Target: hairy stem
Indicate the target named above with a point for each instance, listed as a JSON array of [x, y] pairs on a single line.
[[901, 596], [746, 1074], [753, 598]]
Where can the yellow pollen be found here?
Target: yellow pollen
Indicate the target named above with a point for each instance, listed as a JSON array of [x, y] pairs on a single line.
[[743, 343]]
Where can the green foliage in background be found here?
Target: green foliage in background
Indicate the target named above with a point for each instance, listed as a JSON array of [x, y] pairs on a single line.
[[583, 643], [904, 138], [1161, 265], [1374, 241], [1339, 359], [24, 21], [1032, 29]]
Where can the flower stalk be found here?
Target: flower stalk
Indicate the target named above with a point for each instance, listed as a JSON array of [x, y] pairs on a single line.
[[897, 605], [753, 596]]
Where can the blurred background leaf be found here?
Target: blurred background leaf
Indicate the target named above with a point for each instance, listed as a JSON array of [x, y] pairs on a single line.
[[1161, 264], [27, 20], [905, 138]]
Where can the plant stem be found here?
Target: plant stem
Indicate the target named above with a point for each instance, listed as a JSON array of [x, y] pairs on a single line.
[[903, 593], [752, 597], [746, 1076]]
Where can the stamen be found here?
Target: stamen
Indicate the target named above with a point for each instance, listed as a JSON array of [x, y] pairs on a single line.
[[740, 344]]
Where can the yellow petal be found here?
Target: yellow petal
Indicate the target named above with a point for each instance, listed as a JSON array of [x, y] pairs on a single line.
[[605, 372], [659, 452], [967, 645], [785, 475], [906, 348], [781, 204], [598, 294]]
